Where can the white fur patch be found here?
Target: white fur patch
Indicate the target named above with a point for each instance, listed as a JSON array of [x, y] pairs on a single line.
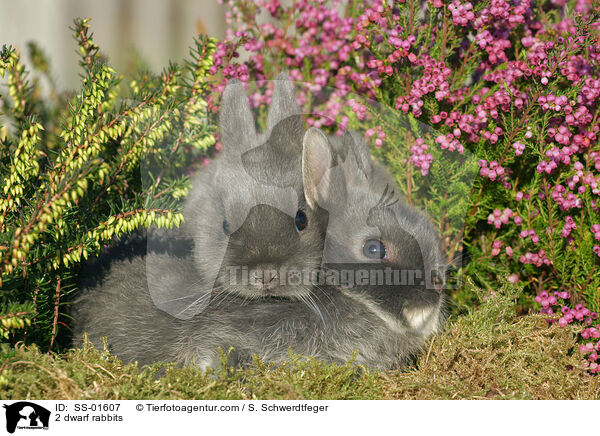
[[423, 319], [388, 319]]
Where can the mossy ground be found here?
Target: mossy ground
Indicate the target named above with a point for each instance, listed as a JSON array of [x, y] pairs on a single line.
[[489, 353]]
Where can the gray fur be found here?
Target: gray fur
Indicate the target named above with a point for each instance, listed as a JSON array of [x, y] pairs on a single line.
[[366, 207], [347, 194], [121, 309], [241, 210]]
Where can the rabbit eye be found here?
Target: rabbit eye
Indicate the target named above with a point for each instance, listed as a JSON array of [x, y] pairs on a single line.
[[374, 249], [226, 227], [301, 220]]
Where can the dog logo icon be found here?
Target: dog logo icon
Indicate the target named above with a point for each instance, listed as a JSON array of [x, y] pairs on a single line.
[[26, 415]]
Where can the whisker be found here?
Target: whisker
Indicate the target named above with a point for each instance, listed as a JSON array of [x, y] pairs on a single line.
[[311, 303], [386, 198], [195, 303], [188, 295], [322, 305], [224, 291], [325, 294]]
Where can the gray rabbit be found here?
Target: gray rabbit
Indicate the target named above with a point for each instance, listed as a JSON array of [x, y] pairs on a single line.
[[337, 188], [233, 223], [370, 230], [391, 249], [326, 324], [247, 211]]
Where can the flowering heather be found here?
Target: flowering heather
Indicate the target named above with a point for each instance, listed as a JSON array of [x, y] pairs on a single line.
[[513, 82], [590, 332]]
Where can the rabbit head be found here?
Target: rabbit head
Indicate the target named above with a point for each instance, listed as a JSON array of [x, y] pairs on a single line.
[[388, 251], [251, 215]]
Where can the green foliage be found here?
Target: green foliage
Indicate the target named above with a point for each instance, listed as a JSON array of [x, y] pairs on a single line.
[[444, 192], [72, 172], [573, 264], [489, 83]]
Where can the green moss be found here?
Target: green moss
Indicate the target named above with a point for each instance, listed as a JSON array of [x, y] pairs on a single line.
[[488, 353], [493, 353], [90, 374]]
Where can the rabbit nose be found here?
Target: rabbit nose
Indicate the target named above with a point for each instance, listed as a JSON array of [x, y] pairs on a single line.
[[267, 277]]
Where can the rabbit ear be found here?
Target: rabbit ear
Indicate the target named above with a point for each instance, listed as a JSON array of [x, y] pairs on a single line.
[[356, 147], [283, 103], [317, 159], [236, 122]]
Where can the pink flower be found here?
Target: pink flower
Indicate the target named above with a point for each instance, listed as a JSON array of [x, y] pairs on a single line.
[[569, 225], [519, 147]]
